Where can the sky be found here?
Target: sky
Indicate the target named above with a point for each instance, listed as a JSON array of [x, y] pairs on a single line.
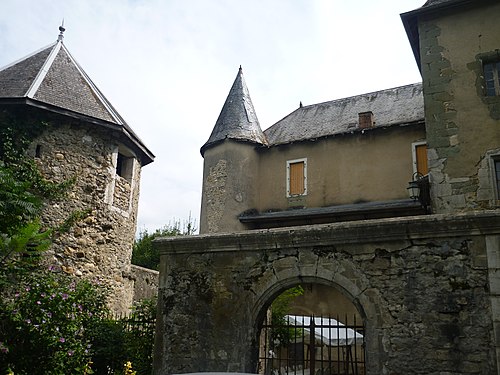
[[167, 67]]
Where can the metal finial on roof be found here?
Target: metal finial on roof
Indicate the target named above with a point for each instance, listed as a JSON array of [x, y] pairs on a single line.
[[300, 104], [61, 31]]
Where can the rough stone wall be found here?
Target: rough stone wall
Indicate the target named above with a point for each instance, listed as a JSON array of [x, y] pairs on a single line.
[[98, 247], [462, 123], [421, 284], [145, 283]]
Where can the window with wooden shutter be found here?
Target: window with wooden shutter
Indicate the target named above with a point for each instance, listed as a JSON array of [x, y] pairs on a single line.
[[296, 177], [421, 159]]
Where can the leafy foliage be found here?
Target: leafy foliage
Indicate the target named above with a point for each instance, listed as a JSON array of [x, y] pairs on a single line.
[[44, 326], [50, 323], [23, 190], [116, 341], [279, 309], [143, 252]]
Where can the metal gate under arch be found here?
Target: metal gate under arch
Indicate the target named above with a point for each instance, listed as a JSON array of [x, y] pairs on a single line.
[[311, 345]]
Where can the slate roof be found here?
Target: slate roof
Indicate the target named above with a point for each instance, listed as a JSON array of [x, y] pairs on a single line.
[[237, 120], [52, 79], [396, 106]]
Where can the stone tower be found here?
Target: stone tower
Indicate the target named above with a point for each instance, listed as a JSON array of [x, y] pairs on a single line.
[[231, 162], [89, 141]]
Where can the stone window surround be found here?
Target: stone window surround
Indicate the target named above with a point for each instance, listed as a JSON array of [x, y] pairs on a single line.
[[110, 189], [288, 163], [486, 59]]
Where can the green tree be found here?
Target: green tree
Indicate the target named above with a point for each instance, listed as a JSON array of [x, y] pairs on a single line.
[[280, 307], [143, 252]]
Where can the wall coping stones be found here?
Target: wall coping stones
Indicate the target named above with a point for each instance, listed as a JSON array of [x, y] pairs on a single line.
[[353, 232]]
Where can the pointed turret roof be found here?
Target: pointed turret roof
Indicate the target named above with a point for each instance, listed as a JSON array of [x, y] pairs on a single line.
[[237, 120], [51, 78]]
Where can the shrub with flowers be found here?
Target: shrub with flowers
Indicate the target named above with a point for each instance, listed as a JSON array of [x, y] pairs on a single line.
[[43, 325]]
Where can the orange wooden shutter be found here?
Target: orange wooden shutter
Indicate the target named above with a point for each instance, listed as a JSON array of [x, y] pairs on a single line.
[[421, 153], [297, 178]]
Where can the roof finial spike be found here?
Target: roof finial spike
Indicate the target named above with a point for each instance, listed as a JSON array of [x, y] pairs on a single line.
[[300, 104], [241, 69], [61, 31]]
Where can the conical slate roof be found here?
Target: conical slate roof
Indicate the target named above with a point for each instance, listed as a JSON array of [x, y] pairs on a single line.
[[52, 79], [237, 120]]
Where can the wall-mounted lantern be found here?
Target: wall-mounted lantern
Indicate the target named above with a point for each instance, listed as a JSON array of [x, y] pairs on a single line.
[[414, 186], [418, 189]]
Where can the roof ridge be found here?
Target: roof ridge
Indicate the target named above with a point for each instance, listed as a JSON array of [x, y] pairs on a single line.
[[112, 111], [42, 73], [27, 56], [360, 95]]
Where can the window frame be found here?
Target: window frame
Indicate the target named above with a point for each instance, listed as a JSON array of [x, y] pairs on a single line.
[[288, 164], [494, 159], [414, 146], [495, 64]]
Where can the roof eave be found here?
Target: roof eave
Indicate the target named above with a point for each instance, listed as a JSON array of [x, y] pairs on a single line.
[[207, 145], [145, 155], [410, 20], [351, 132]]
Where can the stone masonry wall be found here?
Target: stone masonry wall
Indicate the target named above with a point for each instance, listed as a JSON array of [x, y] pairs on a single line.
[[462, 123], [145, 283], [421, 284], [99, 246]]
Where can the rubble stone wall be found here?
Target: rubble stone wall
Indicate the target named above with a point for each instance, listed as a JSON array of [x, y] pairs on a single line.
[[98, 247], [424, 286], [145, 283]]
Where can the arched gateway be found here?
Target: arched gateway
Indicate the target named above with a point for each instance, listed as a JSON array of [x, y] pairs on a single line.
[[421, 287]]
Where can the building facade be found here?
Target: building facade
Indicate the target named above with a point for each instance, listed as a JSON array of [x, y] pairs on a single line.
[[320, 198]]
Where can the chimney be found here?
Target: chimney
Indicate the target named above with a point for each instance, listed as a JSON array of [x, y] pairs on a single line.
[[366, 120]]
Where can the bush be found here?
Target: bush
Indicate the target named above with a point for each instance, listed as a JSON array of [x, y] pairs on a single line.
[[43, 326], [118, 341]]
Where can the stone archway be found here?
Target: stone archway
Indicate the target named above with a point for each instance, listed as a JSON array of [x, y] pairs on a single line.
[[289, 343], [344, 279], [405, 279]]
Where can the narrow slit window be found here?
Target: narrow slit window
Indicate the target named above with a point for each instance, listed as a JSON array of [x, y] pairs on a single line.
[[296, 177]]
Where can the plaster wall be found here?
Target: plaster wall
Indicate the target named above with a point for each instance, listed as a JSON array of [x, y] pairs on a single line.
[[463, 125], [229, 175], [99, 246], [323, 300], [375, 165]]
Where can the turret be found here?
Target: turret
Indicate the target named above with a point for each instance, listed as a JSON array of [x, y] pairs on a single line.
[[231, 163]]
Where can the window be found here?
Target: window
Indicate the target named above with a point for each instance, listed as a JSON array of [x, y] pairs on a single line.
[[420, 158], [296, 175], [496, 164], [492, 78], [125, 166]]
